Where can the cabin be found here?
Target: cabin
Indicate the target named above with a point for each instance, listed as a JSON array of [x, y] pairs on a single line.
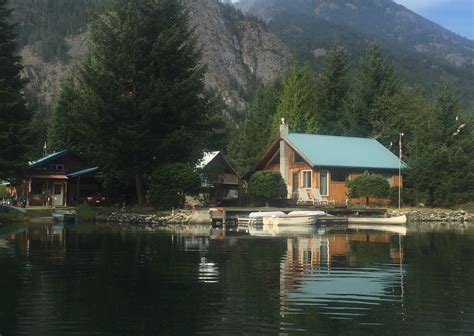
[[219, 178], [325, 162], [59, 179]]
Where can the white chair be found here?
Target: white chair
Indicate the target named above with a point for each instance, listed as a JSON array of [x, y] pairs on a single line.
[[320, 198], [305, 197]]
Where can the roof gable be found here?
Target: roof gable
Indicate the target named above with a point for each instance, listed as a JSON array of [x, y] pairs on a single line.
[[339, 151]]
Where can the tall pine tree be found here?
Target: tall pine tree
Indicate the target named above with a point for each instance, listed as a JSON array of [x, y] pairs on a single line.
[[139, 96], [256, 133], [14, 115], [297, 103], [332, 93], [375, 84]]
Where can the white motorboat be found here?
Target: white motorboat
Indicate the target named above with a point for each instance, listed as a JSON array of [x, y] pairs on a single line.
[[278, 223], [64, 215]]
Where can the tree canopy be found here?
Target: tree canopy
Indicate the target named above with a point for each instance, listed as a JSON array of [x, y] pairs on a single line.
[[137, 101], [14, 115]]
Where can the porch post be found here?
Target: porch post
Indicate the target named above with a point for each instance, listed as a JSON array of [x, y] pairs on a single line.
[[284, 153]]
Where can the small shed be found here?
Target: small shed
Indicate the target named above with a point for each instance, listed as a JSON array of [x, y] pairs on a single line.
[[219, 178]]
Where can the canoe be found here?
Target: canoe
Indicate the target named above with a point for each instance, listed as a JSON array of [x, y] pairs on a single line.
[[7, 208], [400, 220]]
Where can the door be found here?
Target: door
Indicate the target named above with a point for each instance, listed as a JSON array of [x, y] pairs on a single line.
[[58, 194]]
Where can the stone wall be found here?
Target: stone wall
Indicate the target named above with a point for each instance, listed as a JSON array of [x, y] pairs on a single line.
[[435, 215]]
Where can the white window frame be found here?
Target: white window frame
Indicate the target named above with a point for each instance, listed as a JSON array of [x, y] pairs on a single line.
[[327, 182], [303, 172]]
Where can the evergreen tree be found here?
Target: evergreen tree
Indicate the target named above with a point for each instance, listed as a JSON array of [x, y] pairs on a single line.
[[332, 94], [375, 84], [139, 97], [297, 103], [14, 115], [256, 133]]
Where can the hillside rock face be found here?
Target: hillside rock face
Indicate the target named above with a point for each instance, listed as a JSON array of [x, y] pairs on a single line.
[[237, 51], [384, 20]]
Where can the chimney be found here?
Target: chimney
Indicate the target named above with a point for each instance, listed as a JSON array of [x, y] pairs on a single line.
[[283, 128], [284, 164]]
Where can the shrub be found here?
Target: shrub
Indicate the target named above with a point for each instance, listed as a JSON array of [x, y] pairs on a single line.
[[369, 185], [267, 185], [170, 183]]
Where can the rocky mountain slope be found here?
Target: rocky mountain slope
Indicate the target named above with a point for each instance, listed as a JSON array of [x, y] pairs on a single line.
[[239, 52], [422, 50]]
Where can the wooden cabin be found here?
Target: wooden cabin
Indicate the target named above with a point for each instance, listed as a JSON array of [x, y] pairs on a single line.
[[219, 177], [59, 179], [325, 162]]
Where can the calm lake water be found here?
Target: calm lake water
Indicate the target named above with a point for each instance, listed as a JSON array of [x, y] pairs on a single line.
[[87, 280]]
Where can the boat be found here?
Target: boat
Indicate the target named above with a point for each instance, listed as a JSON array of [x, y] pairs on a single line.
[[8, 208], [65, 215], [277, 223], [399, 220]]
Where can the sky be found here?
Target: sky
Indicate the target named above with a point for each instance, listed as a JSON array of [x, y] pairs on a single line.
[[455, 15]]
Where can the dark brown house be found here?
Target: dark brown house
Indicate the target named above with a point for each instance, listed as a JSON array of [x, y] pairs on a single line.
[[59, 179]]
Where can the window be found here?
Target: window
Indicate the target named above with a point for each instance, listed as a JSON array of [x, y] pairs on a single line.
[[298, 158], [296, 182], [323, 182], [36, 188], [58, 189], [307, 178], [57, 167], [339, 175], [276, 159]]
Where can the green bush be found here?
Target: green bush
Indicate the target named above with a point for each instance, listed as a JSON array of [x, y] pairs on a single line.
[[3, 191], [369, 185], [408, 197], [170, 183], [267, 185]]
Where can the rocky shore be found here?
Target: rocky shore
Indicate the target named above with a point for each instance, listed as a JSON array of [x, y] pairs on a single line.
[[435, 216], [150, 222]]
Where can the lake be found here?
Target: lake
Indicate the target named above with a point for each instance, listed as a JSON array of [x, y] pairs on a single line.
[[89, 280]]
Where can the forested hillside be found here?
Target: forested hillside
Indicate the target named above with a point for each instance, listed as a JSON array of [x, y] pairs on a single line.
[[422, 51]]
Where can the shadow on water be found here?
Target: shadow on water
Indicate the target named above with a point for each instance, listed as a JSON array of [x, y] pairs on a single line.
[[85, 279]]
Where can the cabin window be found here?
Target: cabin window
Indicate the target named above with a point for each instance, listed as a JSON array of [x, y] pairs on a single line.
[[323, 182], [296, 182], [307, 178], [339, 175], [276, 159], [57, 167], [36, 188], [57, 189], [298, 158]]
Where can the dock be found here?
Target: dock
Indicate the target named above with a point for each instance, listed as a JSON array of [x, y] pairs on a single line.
[[230, 215]]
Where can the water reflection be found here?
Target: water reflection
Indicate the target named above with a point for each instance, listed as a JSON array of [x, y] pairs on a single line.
[[59, 280], [333, 273]]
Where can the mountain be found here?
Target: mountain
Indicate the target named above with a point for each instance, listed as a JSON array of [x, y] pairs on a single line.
[[422, 50], [240, 52]]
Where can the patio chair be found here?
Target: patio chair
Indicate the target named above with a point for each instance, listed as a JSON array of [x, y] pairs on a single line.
[[320, 198], [305, 197]]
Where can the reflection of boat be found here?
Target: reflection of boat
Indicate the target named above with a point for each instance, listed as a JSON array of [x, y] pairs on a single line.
[[400, 220], [402, 230], [64, 215], [270, 230]]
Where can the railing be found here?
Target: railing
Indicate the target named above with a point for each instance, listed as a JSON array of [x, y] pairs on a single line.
[[229, 179]]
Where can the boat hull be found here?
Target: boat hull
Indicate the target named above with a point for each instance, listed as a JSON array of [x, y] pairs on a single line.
[[400, 220]]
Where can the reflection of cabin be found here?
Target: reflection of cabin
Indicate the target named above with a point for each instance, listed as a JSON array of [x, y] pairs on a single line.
[[325, 162], [59, 179], [219, 177]]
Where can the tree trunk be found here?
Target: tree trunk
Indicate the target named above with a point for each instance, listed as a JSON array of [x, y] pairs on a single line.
[[367, 201], [140, 191]]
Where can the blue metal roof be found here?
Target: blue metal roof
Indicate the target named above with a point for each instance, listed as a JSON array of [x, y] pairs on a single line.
[[48, 158], [83, 172], [338, 151]]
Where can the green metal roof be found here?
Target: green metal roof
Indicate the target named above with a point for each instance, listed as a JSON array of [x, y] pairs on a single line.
[[338, 151]]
